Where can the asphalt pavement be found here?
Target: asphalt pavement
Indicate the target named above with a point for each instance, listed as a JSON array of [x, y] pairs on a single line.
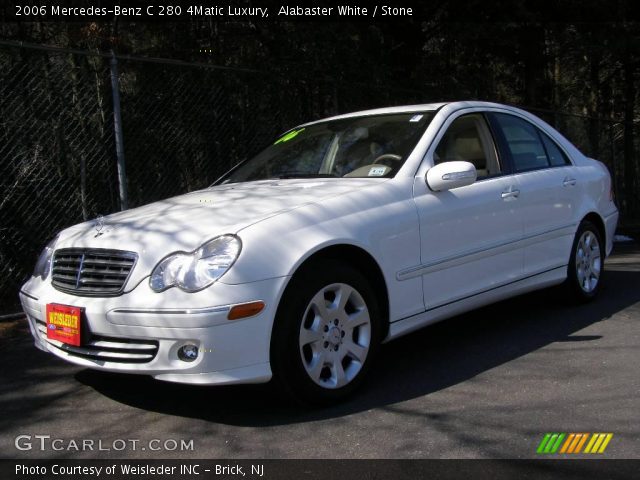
[[487, 384]]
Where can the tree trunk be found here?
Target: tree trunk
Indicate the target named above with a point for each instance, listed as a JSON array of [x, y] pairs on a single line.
[[629, 140], [534, 56], [629, 154]]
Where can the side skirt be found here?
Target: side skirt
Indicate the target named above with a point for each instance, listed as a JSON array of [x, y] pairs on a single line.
[[436, 314]]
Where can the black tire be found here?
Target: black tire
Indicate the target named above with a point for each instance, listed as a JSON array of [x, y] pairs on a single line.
[[575, 287], [288, 356]]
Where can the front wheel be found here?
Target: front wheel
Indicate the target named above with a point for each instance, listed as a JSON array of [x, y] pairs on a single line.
[[326, 333], [586, 264]]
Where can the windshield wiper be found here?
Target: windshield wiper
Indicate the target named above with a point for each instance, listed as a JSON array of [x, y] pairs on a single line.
[[304, 175]]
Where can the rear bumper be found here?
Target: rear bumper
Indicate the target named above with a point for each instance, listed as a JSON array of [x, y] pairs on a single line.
[[610, 222], [122, 335]]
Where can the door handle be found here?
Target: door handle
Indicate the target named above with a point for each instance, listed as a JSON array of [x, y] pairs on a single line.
[[511, 194], [568, 182]]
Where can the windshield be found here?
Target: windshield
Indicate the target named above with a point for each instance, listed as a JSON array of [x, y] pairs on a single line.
[[372, 146]]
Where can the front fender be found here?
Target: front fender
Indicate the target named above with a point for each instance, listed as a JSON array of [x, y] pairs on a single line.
[[381, 220]]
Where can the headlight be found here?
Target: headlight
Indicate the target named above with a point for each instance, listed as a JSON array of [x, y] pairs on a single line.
[[43, 265], [199, 269]]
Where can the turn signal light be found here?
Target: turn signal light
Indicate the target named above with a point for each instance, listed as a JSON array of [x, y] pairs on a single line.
[[245, 310]]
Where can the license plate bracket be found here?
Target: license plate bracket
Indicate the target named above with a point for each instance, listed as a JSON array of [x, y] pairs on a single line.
[[64, 323]]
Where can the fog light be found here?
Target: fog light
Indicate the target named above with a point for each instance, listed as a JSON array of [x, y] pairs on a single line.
[[188, 353]]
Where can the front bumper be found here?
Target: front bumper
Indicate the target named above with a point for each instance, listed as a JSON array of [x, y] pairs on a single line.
[[141, 331]]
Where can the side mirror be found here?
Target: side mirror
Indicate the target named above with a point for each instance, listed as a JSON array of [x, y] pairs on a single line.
[[448, 175]]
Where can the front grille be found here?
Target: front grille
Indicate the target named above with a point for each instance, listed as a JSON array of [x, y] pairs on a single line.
[[106, 349], [91, 272]]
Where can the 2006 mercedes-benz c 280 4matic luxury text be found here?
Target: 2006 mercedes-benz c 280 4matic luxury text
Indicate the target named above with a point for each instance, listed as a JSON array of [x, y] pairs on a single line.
[[342, 234]]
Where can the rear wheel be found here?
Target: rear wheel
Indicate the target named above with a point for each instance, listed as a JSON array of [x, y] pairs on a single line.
[[326, 333], [586, 264]]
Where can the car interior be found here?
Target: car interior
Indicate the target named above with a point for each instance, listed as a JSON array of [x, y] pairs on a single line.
[[468, 139]]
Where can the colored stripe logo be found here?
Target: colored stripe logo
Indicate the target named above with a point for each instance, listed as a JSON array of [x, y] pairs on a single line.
[[574, 443]]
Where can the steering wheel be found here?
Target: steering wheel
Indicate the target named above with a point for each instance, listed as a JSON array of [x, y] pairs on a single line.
[[388, 156]]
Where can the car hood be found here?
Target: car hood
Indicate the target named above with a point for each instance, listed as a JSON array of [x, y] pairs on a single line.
[[183, 223]]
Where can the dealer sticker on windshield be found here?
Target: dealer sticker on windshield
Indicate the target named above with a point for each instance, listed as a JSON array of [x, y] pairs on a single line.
[[377, 171], [289, 136], [416, 118]]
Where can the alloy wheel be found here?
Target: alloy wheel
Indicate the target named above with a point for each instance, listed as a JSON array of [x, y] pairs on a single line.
[[335, 335], [588, 261]]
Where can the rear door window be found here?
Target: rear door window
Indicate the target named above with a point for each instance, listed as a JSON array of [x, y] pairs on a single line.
[[524, 143], [557, 157]]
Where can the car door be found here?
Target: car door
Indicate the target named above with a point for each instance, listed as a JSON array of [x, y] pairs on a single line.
[[547, 191], [469, 235]]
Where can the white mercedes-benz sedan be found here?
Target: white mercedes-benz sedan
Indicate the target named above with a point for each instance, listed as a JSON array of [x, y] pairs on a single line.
[[343, 234]]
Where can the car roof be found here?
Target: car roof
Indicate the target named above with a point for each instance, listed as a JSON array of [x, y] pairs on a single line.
[[453, 106], [425, 107]]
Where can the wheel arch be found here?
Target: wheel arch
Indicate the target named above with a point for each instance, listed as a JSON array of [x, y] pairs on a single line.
[[597, 220], [362, 261]]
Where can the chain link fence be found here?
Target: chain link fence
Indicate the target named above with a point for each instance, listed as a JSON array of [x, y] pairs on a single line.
[[183, 126], [56, 154]]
